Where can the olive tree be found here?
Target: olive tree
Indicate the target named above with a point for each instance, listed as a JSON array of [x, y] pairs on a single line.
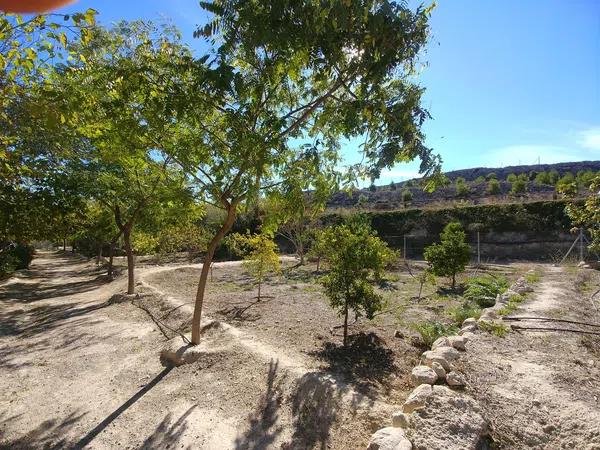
[[305, 71]]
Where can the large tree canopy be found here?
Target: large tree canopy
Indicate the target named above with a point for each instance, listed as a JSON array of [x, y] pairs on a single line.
[[284, 73]]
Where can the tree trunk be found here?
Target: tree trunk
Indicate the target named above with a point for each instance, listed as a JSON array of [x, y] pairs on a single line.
[[111, 252], [318, 262], [346, 324], [258, 291], [301, 251], [99, 254], [453, 280], [64, 245], [212, 246], [130, 262]]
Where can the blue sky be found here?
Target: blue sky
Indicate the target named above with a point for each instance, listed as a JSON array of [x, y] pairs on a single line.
[[507, 82]]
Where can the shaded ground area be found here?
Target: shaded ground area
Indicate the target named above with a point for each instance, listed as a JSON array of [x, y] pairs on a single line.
[[541, 389], [79, 371]]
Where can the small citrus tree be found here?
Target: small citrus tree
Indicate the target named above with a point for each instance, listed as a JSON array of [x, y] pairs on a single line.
[[356, 257], [451, 255], [260, 255]]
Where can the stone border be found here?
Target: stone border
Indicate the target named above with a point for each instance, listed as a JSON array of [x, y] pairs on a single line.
[[435, 370]]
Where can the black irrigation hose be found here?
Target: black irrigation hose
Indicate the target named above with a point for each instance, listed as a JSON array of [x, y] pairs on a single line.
[[518, 328], [546, 319]]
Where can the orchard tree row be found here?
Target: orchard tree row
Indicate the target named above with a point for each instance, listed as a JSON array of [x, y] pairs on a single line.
[[123, 134]]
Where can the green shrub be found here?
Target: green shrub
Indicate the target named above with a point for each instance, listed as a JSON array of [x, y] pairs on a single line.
[[15, 257], [484, 290], [496, 329], [493, 187], [518, 187], [430, 330], [144, 243], [464, 311], [513, 301], [532, 277]]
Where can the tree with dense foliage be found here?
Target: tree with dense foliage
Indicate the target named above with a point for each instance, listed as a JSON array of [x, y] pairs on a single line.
[[451, 255], [356, 258], [260, 255], [462, 188], [303, 71], [542, 178], [493, 187], [518, 187], [111, 104], [38, 198], [392, 186], [511, 178]]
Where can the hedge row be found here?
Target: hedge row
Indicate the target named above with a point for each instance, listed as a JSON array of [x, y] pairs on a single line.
[[548, 217]]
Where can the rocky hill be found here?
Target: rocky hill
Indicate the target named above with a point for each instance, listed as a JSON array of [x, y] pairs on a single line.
[[390, 197], [503, 172]]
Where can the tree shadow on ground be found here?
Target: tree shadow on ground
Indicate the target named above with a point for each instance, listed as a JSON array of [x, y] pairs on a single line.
[[31, 292], [364, 361], [167, 434], [241, 311], [315, 406], [91, 435], [44, 318], [262, 427], [50, 434], [299, 276]]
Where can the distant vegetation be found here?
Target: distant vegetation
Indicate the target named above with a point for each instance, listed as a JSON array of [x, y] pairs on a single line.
[[478, 186]]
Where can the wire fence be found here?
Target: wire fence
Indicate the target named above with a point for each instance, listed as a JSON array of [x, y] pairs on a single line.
[[489, 247]]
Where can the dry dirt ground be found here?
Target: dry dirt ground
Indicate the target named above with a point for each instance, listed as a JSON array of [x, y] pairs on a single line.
[[79, 370], [540, 389]]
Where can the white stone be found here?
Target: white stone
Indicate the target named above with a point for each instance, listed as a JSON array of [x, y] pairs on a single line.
[[400, 420], [423, 375], [439, 370], [468, 329], [468, 335], [458, 342], [469, 321], [448, 353], [488, 314], [451, 420], [431, 356], [442, 341], [389, 438], [455, 379], [417, 398]]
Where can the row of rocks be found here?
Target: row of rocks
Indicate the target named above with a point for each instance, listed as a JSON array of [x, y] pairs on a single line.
[[435, 416]]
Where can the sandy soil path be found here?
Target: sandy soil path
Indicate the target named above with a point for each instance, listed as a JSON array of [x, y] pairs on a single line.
[[541, 389], [79, 372]]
